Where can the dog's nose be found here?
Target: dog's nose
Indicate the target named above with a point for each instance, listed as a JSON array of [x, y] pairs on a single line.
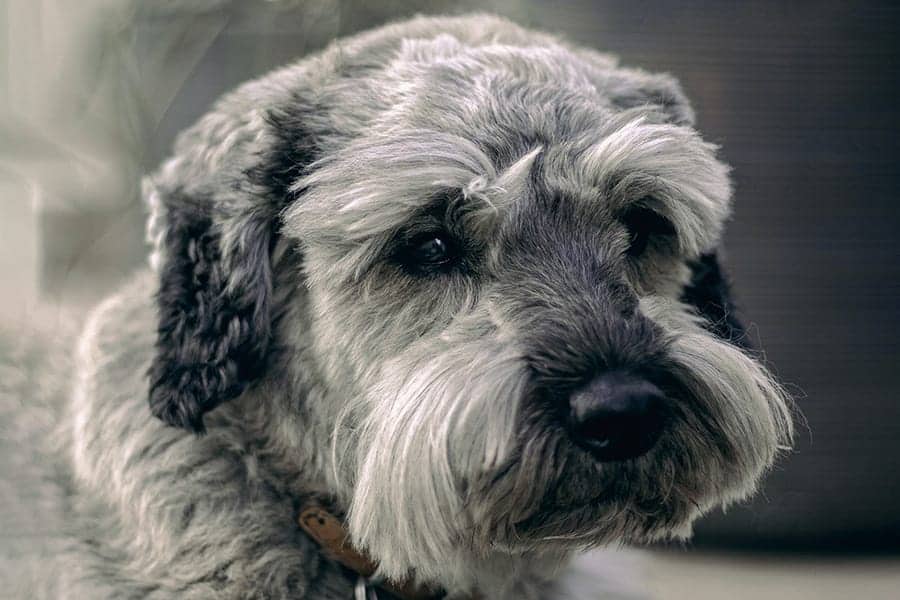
[[617, 416]]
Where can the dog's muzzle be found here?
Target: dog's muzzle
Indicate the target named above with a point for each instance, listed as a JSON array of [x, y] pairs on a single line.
[[617, 416]]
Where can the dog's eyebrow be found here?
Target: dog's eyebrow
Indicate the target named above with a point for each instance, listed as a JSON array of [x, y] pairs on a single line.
[[489, 198], [508, 186], [637, 157], [513, 182]]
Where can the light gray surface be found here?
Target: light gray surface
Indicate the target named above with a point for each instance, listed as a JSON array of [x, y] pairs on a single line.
[[687, 575]]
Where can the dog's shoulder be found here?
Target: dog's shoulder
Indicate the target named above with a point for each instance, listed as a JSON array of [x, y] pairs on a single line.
[[122, 326], [107, 400]]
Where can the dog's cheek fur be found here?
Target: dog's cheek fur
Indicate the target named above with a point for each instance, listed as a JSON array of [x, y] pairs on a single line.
[[431, 420], [737, 406]]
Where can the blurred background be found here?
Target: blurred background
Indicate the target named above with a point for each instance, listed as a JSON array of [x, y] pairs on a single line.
[[803, 97]]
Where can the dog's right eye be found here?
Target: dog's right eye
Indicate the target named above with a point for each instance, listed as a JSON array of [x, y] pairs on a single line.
[[427, 253]]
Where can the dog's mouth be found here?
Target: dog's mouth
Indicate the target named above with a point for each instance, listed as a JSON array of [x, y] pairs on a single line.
[[607, 519], [593, 502]]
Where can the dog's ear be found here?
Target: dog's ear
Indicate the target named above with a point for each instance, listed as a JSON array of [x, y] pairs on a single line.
[[214, 220], [214, 311], [709, 292], [633, 87]]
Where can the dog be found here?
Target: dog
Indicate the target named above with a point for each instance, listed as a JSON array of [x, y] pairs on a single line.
[[427, 314]]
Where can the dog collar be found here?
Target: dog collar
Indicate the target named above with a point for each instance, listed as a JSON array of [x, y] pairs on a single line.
[[329, 532]]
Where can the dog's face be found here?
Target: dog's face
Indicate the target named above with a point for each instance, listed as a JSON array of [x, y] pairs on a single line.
[[512, 302]]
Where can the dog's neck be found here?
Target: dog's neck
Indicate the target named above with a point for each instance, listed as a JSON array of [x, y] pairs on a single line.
[[321, 523], [329, 532]]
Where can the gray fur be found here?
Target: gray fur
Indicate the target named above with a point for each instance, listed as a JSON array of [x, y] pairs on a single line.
[[410, 402]]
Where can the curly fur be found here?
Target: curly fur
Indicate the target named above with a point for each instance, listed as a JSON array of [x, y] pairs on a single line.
[[280, 319]]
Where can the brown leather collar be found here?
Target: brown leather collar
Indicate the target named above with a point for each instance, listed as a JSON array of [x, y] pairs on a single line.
[[329, 532]]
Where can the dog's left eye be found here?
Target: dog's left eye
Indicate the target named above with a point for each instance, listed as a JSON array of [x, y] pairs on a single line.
[[644, 225], [429, 253]]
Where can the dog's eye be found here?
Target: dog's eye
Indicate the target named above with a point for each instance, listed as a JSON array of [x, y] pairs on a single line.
[[429, 253], [434, 251], [644, 225]]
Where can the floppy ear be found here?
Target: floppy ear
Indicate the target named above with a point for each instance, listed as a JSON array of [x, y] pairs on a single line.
[[629, 88], [709, 292], [214, 220], [214, 312], [661, 90]]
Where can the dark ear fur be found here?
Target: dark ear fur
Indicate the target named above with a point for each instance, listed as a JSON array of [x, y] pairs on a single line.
[[709, 291], [633, 87], [214, 316], [215, 291]]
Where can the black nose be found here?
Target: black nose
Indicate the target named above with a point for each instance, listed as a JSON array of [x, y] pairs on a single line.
[[617, 416]]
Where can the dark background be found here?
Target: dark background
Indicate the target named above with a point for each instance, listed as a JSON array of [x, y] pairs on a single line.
[[802, 97]]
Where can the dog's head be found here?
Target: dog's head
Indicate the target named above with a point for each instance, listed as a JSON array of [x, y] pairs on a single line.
[[483, 266]]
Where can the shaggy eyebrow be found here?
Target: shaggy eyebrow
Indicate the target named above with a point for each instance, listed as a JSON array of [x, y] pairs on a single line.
[[426, 168], [476, 204], [513, 181], [479, 204]]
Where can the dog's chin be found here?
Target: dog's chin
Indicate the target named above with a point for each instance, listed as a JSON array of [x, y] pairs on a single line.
[[603, 522], [593, 503]]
